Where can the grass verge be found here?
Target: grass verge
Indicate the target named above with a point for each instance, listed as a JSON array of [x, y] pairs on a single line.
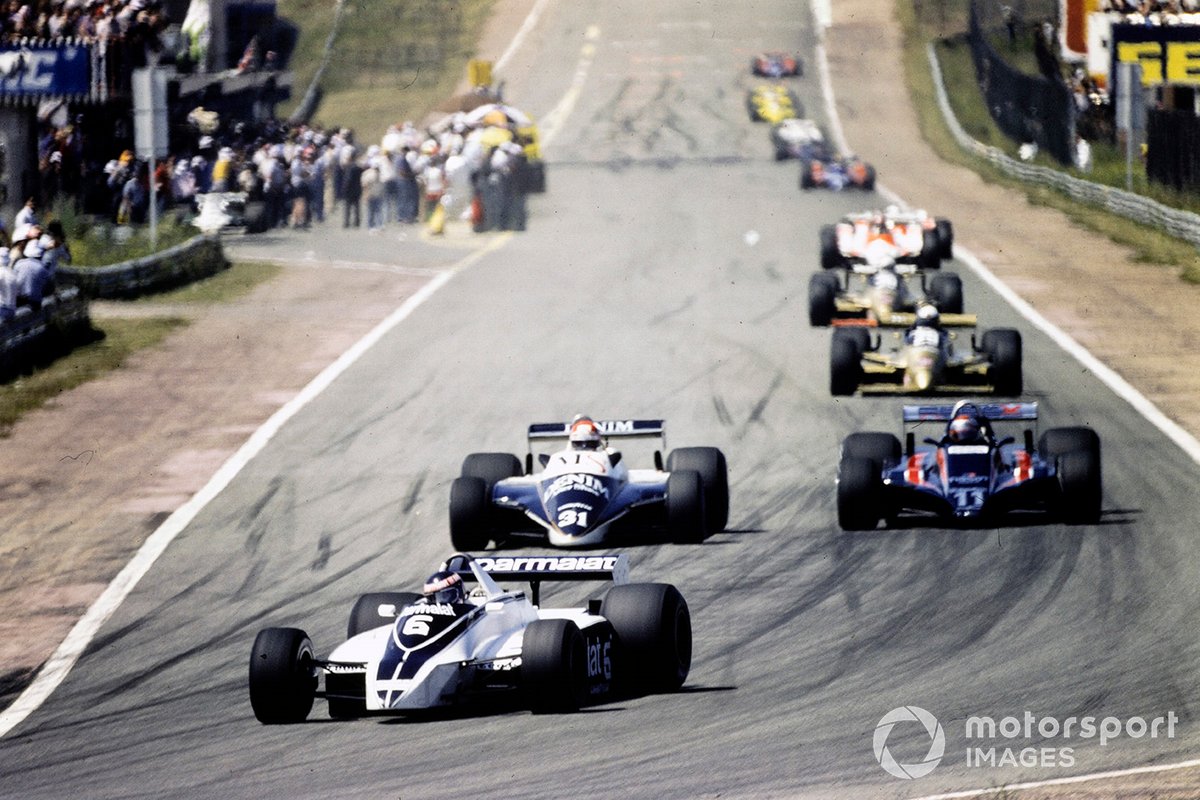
[[235, 282], [392, 59], [122, 338], [1149, 245]]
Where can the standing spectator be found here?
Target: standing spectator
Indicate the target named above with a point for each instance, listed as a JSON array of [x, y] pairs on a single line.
[[27, 215], [33, 280], [351, 193], [406, 180], [372, 189], [301, 177], [8, 287]]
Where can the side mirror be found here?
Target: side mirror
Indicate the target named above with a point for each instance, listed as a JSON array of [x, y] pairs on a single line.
[[544, 458], [614, 457]]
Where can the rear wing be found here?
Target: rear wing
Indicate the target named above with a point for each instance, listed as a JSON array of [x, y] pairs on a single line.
[[486, 570], [993, 412], [611, 428]]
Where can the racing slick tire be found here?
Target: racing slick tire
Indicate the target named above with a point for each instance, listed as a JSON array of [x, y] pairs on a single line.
[[859, 484], [882, 448], [945, 236], [1003, 349], [283, 676], [930, 257], [946, 291], [709, 463], [470, 514], [553, 666], [1081, 492], [1075, 452], [491, 467], [365, 615], [845, 363], [868, 183], [822, 298], [654, 631], [687, 519], [831, 254], [806, 174]]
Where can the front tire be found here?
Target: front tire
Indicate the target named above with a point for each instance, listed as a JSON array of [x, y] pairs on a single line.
[[553, 666], [654, 629], [859, 486], [831, 254], [365, 614], [709, 463], [283, 676], [822, 299]]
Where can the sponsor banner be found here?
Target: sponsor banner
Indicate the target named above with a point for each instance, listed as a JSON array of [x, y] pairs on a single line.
[[1168, 54], [44, 70]]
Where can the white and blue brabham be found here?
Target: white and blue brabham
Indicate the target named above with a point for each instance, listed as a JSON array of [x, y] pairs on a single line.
[[585, 497], [408, 653]]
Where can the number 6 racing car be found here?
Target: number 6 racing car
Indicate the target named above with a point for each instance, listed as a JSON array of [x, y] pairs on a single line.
[[586, 492], [969, 473], [406, 652]]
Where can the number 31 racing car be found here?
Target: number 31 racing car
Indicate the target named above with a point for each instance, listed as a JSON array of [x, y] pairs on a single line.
[[969, 473], [407, 652], [586, 492]]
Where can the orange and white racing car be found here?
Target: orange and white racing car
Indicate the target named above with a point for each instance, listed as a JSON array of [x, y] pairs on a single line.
[[912, 237]]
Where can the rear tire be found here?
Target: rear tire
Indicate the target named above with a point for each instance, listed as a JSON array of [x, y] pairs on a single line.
[[806, 176], [470, 514], [930, 257], [947, 293], [859, 484], [1075, 452], [831, 254], [845, 364], [283, 677], [709, 463], [553, 666], [1003, 349], [654, 629], [945, 234], [822, 299], [869, 180], [686, 518]]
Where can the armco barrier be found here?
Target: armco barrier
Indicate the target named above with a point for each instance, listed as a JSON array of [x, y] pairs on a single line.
[[1182, 224], [34, 337], [196, 258]]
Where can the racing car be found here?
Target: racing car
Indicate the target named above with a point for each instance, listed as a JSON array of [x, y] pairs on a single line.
[[968, 472], [776, 64], [795, 138], [925, 360], [773, 103], [586, 493], [408, 652], [216, 211], [907, 237], [829, 170], [887, 294]]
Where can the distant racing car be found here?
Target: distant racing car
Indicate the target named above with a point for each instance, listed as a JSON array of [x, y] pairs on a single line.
[[408, 652], [906, 237], [795, 138], [968, 472], [773, 103], [925, 360], [586, 493], [776, 64], [826, 169]]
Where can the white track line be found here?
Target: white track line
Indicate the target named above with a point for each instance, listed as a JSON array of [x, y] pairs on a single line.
[[1106, 375], [528, 25], [56, 668]]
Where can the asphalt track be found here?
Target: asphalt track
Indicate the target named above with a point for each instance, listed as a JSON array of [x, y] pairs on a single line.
[[664, 275]]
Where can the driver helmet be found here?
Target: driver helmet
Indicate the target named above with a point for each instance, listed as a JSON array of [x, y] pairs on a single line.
[[927, 316], [585, 434], [962, 429], [444, 587]]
